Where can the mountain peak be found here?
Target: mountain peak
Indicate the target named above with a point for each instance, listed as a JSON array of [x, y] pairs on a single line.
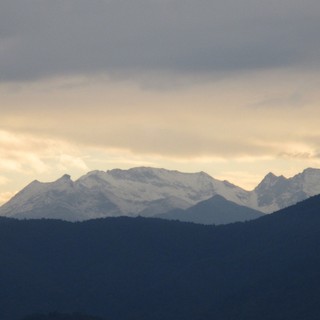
[[268, 181], [140, 190], [271, 175], [310, 171], [64, 183], [148, 191], [65, 177]]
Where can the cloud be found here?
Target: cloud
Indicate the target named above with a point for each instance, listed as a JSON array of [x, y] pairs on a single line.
[[29, 154], [3, 180], [18, 153], [212, 120], [215, 85], [66, 161], [174, 134], [6, 196], [127, 38]]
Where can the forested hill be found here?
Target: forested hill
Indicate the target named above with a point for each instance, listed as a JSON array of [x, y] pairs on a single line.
[[61, 316], [138, 268]]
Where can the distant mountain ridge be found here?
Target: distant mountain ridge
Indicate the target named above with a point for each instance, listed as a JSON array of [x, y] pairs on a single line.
[[277, 192], [149, 192], [137, 191], [216, 210]]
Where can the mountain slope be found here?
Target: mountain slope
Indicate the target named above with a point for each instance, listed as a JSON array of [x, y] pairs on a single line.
[[61, 199], [274, 193], [138, 191], [215, 210], [125, 268], [149, 192]]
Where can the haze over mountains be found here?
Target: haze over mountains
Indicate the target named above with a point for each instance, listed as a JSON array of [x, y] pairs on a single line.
[[150, 192]]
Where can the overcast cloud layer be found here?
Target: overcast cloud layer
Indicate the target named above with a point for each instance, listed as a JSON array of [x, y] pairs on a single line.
[[75, 37], [230, 87]]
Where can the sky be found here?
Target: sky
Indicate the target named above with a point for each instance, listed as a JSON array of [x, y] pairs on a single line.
[[229, 87]]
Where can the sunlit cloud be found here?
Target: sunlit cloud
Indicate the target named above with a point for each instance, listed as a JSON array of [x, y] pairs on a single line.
[[66, 161], [5, 196], [29, 154], [3, 180], [205, 121], [226, 87]]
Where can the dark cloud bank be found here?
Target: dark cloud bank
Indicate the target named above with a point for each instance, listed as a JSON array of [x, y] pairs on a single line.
[[73, 37]]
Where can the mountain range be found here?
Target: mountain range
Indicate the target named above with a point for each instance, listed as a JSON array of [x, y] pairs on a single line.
[[137, 268], [153, 192]]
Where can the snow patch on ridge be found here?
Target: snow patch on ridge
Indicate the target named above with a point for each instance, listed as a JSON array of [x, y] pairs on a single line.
[[150, 191]]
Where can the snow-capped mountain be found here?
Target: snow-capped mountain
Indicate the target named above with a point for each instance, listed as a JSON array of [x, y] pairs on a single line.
[[150, 191], [137, 191], [278, 192]]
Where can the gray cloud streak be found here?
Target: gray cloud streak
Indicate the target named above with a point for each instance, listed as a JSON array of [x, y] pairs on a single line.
[[76, 37]]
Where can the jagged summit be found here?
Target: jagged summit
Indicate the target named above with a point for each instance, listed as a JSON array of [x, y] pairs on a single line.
[[269, 181], [269, 177], [311, 171], [150, 191], [277, 192], [137, 191], [65, 177]]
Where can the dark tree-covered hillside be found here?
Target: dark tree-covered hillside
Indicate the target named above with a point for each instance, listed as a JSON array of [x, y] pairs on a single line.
[[138, 268], [60, 316]]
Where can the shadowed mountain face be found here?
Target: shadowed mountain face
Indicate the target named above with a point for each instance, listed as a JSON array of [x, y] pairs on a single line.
[[215, 210], [137, 268]]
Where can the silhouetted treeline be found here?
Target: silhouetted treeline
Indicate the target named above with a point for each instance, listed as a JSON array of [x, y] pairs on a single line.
[[142, 269], [60, 316]]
